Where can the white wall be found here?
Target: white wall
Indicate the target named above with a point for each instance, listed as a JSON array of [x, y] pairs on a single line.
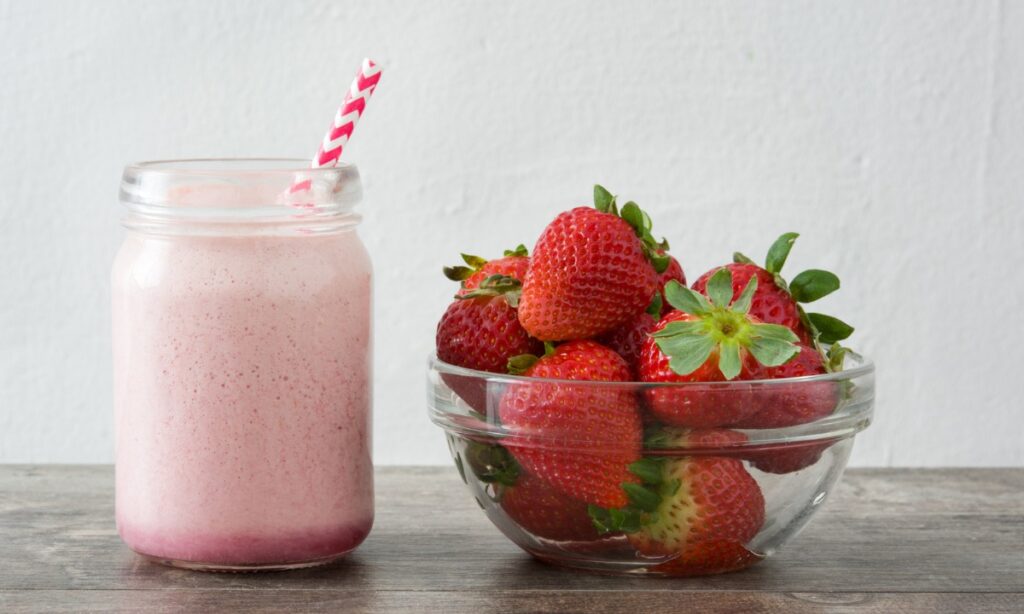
[[891, 134]]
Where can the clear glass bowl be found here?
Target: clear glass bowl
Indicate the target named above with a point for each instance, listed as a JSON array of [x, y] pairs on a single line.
[[744, 491]]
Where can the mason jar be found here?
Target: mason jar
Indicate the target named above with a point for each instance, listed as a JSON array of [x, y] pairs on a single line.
[[242, 356]]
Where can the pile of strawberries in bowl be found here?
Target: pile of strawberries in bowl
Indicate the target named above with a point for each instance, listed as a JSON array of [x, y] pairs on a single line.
[[606, 416]]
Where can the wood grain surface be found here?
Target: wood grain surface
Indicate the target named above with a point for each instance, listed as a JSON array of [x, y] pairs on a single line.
[[887, 540]]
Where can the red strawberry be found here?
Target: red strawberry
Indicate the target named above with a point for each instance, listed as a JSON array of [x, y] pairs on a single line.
[[513, 264], [545, 512], [481, 331], [771, 303], [709, 341], [628, 339], [787, 458], [591, 271], [673, 272], [709, 557], [789, 404], [700, 510], [777, 302], [696, 406], [577, 438]]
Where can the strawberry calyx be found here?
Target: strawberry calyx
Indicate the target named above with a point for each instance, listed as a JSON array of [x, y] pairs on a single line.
[[639, 221], [462, 273], [496, 285], [656, 305], [518, 251], [491, 463], [834, 357], [722, 325], [475, 263], [521, 363], [644, 499], [806, 287]]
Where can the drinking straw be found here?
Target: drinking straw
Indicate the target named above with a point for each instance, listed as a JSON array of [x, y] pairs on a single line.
[[345, 120]]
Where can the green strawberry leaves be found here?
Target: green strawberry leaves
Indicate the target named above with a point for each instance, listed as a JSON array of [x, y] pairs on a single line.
[[521, 363], [813, 284], [639, 221], [836, 356], [746, 297], [729, 361], [647, 469], [475, 263], [739, 258], [779, 251], [685, 299], [492, 464], [654, 308], [686, 352], [829, 330], [625, 520], [723, 325], [497, 285], [772, 352], [519, 251], [462, 273], [807, 287], [720, 290], [641, 498], [604, 201], [644, 500]]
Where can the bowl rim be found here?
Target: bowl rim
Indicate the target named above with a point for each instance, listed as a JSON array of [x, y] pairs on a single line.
[[845, 422], [864, 367]]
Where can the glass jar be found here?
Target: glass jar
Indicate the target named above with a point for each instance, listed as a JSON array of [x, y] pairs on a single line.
[[242, 351]]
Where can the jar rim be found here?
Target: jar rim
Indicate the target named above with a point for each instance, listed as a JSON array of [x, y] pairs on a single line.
[[240, 166], [238, 190]]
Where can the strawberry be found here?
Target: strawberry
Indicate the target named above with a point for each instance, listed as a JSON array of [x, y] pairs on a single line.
[[592, 270], [545, 512], [674, 271], [481, 330], [778, 302], [628, 339], [577, 438], [708, 557], [789, 457], [699, 510], [789, 404], [709, 341], [513, 264]]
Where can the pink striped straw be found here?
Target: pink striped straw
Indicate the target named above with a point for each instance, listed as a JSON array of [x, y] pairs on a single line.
[[345, 120], [348, 115]]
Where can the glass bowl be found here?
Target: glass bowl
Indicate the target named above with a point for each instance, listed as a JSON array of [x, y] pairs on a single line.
[[672, 500]]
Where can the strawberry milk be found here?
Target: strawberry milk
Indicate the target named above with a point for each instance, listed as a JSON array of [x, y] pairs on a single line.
[[242, 386]]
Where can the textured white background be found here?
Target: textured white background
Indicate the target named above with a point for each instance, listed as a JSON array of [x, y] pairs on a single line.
[[891, 134]]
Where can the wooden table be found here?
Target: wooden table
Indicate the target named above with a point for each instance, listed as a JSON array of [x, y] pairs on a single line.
[[888, 540]]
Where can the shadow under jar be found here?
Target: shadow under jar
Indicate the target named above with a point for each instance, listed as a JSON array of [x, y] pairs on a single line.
[[669, 500], [242, 347]]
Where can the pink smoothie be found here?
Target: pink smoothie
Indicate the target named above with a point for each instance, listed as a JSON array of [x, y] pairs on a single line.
[[242, 397]]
